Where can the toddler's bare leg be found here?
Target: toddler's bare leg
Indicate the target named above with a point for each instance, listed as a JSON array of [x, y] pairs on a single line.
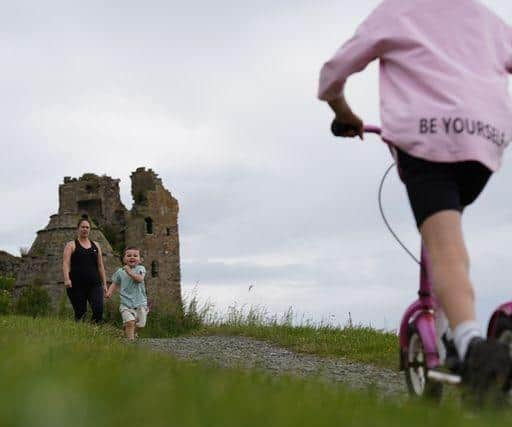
[[129, 329], [442, 236]]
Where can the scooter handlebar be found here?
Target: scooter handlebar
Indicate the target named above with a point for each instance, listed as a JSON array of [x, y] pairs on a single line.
[[372, 129]]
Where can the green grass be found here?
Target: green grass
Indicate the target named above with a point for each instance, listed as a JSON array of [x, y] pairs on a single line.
[[356, 343], [58, 373]]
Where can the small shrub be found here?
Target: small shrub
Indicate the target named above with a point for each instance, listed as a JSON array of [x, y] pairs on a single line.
[[6, 283], [160, 325], [195, 317], [162, 322], [34, 301], [5, 301]]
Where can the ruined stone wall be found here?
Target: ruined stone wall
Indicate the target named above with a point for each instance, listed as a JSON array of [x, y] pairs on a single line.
[[9, 264], [152, 225], [99, 197], [42, 264]]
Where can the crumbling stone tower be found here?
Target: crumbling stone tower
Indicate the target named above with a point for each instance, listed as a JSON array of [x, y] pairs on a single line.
[[98, 197], [152, 225]]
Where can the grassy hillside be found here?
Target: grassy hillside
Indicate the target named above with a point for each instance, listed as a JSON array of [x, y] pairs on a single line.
[[57, 373], [356, 343]]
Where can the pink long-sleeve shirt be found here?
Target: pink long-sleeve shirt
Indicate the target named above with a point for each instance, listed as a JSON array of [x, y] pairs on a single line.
[[444, 67]]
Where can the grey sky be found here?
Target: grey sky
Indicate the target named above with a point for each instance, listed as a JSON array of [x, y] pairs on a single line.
[[219, 98]]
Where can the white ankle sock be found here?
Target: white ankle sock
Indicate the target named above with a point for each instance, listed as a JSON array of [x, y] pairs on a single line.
[[463, 334]]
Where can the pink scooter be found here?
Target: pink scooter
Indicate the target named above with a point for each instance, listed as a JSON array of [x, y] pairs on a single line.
[[425, 371]]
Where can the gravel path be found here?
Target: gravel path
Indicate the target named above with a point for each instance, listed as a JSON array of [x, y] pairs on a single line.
[[250, 353]]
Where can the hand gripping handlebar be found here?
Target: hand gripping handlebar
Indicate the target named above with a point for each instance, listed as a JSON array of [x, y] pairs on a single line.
[[338, 129]]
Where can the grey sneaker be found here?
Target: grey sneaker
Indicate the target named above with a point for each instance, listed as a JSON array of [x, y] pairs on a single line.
[[486, 371]]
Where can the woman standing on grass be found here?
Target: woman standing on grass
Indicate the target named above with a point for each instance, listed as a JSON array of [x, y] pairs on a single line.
[[84, 273]]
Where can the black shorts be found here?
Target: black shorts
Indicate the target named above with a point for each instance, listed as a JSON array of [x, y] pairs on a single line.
[[433, 187]]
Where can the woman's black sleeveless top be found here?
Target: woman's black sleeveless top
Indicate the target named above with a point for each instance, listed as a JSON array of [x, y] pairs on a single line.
[[84, 271]]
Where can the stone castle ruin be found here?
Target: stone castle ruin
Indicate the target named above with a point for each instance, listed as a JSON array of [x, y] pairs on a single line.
[[151, 225], [9, 264]]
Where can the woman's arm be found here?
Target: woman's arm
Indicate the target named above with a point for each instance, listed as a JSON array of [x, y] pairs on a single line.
[[66, 263], [101, 267]]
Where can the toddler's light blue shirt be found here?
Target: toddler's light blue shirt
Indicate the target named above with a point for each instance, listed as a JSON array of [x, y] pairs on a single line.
[[132, 294]]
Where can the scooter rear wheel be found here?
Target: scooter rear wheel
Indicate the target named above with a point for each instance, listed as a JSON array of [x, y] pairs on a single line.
[[416, 370], [503, 331]]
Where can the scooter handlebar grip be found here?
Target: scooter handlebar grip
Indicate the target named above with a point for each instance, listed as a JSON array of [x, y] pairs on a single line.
[[339, 129]]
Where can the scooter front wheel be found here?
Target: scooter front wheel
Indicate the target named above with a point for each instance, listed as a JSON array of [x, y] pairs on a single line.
[[416, 370]]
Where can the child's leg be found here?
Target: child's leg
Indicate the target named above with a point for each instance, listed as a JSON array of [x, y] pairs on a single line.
[[438, 192], [129, 329], [129, 318], [449, 269], [142, 313]]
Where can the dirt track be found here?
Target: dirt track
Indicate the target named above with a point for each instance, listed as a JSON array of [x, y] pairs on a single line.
[[253, 354]]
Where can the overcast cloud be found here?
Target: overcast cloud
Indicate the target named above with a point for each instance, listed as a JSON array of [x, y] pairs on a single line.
[[220, 99]]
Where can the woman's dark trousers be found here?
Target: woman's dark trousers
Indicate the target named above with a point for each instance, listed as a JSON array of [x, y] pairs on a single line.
[[80, 295]]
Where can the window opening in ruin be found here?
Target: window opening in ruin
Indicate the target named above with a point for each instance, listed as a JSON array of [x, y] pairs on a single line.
[[168, 230], [154, 269], [93, 208], [140, 198], [149, 225], [89, 188]]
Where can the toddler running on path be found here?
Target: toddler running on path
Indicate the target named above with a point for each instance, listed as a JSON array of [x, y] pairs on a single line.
[[129, 280]]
